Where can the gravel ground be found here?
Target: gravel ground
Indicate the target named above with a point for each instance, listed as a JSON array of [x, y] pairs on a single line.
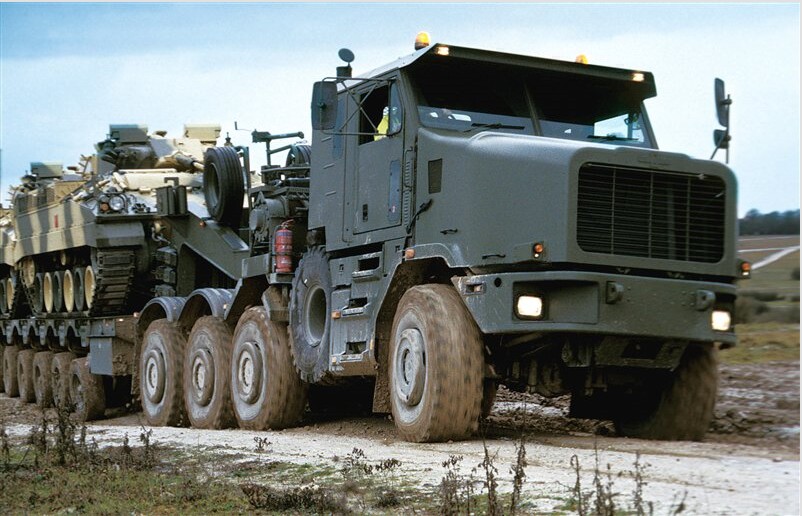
[[748, 464]]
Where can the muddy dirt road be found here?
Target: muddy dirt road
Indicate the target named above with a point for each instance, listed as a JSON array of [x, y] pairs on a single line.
[[749, 463]]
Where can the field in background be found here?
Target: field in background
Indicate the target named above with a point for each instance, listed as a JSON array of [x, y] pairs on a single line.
[[770, 302]]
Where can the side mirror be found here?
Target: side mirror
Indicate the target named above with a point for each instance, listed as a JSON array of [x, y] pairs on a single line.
[[722, 104], [721, 139], [324, 105]]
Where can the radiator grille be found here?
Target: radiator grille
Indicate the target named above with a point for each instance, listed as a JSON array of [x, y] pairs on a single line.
[[651, 214]]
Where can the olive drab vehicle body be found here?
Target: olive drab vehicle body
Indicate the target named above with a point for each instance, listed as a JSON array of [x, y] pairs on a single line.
[[462, 219]]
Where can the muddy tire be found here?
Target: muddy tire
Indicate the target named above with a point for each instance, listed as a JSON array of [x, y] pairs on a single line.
[[265, 388], [680, 408], [42, 381], [310, 324], [86, 391], [60, 378], [25, 375], [161, 368], [10, 371], [436, 366], [207, 364]]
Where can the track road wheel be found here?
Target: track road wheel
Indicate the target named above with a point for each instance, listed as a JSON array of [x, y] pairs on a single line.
[[42, 382], [207, 394], [310, 303], [680, 408], [161, 367], [25, 375], [10, 371], [223, 185], [265, 388], [60, 378], [86, 391], [436, 366]]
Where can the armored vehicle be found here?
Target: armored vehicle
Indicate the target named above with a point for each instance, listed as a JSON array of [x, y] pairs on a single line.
[[83, 249], [462, 219]]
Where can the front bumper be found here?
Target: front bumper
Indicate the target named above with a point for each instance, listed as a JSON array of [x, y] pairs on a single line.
[[597, 303]]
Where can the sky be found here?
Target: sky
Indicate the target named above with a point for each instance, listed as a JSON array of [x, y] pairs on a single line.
[[67, 71]]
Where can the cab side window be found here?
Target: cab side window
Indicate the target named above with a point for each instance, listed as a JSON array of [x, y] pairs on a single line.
[[380, 114]]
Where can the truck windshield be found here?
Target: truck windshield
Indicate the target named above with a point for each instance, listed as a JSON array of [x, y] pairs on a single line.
[[471, 96]]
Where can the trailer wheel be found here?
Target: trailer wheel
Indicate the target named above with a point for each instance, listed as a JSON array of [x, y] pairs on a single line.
[[25, 375], [310, 303], [10, 371], [265, 388], [223, 185], [436, 366], [60, 378], [680, 408], [161, 374], [86, 391], [207, 393], [42, 382]]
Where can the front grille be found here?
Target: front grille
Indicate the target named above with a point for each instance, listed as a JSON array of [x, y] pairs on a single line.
[[651, 214]]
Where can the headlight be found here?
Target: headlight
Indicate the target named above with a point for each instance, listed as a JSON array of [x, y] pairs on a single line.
[[529, 307], [117, 203], [721, 320]]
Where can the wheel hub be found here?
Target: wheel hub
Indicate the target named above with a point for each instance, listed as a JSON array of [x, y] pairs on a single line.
[[154, 376], [249, 372], [409, 377], [203, 376]]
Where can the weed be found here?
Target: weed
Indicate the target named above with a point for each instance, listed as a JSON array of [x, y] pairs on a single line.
[[450, 487], [518, 471], [310, 499], [491, 483], [262, 444]]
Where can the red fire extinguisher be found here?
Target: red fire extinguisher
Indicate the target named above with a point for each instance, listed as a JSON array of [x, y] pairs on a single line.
[[282, 248]]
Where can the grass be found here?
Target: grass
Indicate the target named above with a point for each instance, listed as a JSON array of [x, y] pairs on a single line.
[[764, 342]]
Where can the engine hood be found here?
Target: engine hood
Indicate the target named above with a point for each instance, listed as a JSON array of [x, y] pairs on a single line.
[[493, 195]]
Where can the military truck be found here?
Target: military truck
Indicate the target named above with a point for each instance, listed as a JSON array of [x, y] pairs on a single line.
[[463, 219]]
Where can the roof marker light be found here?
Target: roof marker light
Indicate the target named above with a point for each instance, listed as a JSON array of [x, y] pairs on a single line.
[[638, 77], [581, 58], [422, 40]]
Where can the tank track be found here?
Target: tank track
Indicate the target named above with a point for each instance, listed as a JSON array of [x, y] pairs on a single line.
[[114, 275]]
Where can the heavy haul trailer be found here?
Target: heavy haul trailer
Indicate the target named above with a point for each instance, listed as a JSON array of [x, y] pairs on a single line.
[[463, 219]]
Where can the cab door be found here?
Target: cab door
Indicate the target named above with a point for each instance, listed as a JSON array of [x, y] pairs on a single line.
[[378, 150]]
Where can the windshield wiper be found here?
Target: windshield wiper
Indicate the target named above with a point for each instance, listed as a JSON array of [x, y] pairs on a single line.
[[611, 138], [495, 125]]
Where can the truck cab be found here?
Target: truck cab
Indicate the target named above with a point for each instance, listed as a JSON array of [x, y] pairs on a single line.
[[524, 200]]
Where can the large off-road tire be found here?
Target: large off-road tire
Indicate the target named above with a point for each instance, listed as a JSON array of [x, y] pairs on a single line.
[[161, 368], [86, 391], [265, 388], [10, 371], [436, 366], [60, 378], [207, 364], [678, 408], [310, 321], [25, 375], [42, 381], [223, 185]]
